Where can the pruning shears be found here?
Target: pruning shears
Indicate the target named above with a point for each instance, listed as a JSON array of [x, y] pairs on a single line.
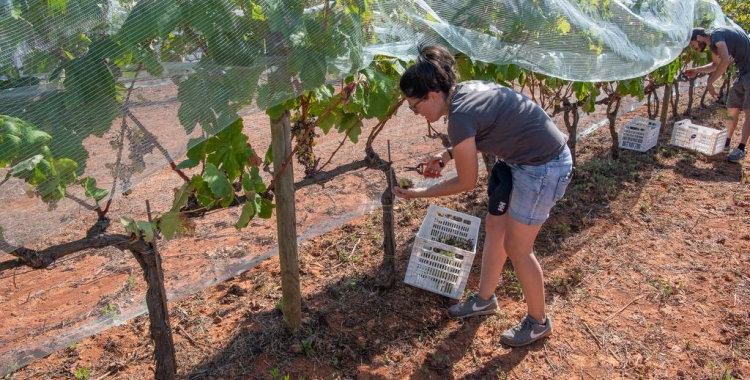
[[420, 167]]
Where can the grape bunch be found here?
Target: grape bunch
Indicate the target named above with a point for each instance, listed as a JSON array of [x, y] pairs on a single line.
[[305, 141], [405, 183], [140, 144], [455, 241]]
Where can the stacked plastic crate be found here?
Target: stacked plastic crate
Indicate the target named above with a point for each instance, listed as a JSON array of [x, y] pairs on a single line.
[[706, 140], [443, 252], [639, 134]]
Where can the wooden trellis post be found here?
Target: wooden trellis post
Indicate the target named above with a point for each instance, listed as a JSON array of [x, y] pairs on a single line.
[[286, 221]]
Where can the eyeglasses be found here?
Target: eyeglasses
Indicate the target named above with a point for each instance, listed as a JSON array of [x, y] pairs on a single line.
[[413, 107]]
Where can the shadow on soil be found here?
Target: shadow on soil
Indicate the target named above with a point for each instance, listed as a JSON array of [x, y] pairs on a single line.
[[600, 180], [351, 323]]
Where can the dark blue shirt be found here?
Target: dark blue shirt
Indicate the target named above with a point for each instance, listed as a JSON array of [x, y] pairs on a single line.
[[738, 45]]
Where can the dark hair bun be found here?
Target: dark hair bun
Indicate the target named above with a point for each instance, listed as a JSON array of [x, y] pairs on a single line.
[[432, 71]]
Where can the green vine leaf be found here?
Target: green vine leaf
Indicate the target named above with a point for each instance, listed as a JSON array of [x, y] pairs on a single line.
[[218, 182], [209, 17], [356, 103], [204, 103], [25, 168], [195, 154], [87, 107], [131, 226], [322, 96], [91, 191], [311, 66], [148, 231], [632, 87], [589, 105], [252, 182], [276, 112], [189, 162], [149, 60], [351, 124], [18, 136], [354, 132], [266, 208], [509, 73], [49, 176], [149, 19], [269, 96], [248, 212], [382, 94], [257, 13], [52, 183], [268, 157], [464, 67], [228, 150], [563, 26], [203, 192], [327, 121], [254, 205], [170, 224], [181, 197], [489, 72]]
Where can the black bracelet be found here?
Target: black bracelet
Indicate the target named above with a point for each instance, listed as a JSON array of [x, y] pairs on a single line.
[[449, 152]]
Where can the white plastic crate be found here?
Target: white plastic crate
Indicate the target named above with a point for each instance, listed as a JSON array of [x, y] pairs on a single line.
[[639, 134], [437, 262], [706, 140]]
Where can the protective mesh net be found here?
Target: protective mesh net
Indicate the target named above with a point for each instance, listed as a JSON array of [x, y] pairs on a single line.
[[124, 88], [217, 59]]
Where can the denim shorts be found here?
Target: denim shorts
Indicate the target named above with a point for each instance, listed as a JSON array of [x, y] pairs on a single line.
[[536, 189], [739, 94]]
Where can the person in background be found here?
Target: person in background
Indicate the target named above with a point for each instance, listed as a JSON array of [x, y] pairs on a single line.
[[727, 44], [533, 170]]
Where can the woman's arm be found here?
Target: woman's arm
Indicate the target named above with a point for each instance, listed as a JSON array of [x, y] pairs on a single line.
[[467, 173]]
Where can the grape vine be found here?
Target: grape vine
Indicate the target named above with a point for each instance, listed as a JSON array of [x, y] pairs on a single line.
[[242, 46]]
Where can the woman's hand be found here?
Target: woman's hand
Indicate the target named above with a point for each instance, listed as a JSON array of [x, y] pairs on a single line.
[[407, 193], [467, 168], [434, 166]]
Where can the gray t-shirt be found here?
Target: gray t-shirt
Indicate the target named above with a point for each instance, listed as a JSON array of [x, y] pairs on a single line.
[[504, 123], [738, 45]]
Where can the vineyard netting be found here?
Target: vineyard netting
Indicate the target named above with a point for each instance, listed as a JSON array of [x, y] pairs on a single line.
[[197, 65], [112, 92]]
